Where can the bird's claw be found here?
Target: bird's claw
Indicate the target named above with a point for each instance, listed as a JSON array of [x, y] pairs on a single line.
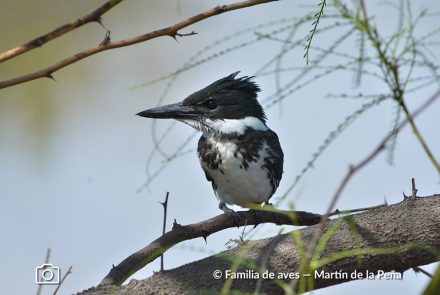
[[230, 213]]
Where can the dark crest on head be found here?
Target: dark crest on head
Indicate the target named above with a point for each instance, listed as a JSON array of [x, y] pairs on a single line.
[[229, 98]]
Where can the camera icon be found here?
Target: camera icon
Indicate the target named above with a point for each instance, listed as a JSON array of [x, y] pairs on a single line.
[[47, 274]]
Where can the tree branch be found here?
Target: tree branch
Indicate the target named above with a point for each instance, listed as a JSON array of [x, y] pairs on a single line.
[[392, 238], [172, 31], [94, 16], [118, 274], [179, 233]]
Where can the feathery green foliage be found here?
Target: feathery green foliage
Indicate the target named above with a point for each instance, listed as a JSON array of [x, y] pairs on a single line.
[[312, 32]]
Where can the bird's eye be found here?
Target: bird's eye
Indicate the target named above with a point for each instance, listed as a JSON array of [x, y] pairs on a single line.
[[211, 103]]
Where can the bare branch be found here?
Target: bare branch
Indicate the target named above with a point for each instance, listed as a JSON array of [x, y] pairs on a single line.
[[186, 34], [69, 271], [94, 16], [386, 242], [171, 31], [351, 211], [46, 261], [118, 274]]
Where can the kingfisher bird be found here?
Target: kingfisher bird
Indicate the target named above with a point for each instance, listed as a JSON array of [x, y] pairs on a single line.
[[240, 155]]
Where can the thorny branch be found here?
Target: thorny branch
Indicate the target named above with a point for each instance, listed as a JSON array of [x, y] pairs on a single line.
[[94, 16], [386, 242], [172, 31], [179, 233]]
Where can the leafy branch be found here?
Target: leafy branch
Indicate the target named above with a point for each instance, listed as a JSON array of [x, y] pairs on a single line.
[[392, 75]]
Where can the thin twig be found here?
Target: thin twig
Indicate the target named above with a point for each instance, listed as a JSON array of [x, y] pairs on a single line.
[[419, 269], [165, 208], [340, 212], [186, 34], [46, 261], [69, 271], [94, 16], [171, 31]]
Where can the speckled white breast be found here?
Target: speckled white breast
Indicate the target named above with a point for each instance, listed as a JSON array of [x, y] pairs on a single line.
[[235, 183]]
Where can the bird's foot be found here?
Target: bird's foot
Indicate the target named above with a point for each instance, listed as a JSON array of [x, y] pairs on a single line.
[[230, 213], [267, 203], [225, 208]]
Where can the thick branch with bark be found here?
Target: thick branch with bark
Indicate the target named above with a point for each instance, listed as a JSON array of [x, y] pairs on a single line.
[[389, 238]]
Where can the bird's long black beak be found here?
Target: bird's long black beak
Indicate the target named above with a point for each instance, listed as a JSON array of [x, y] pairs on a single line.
[[171, 111]]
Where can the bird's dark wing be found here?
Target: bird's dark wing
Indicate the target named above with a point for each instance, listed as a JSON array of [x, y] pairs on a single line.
[[273, 162], [251, 145]]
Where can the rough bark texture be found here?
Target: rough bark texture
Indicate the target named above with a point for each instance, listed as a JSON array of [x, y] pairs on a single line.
[[411, 227]]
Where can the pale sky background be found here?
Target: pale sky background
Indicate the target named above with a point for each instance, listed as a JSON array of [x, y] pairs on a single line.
[[73, 154]]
